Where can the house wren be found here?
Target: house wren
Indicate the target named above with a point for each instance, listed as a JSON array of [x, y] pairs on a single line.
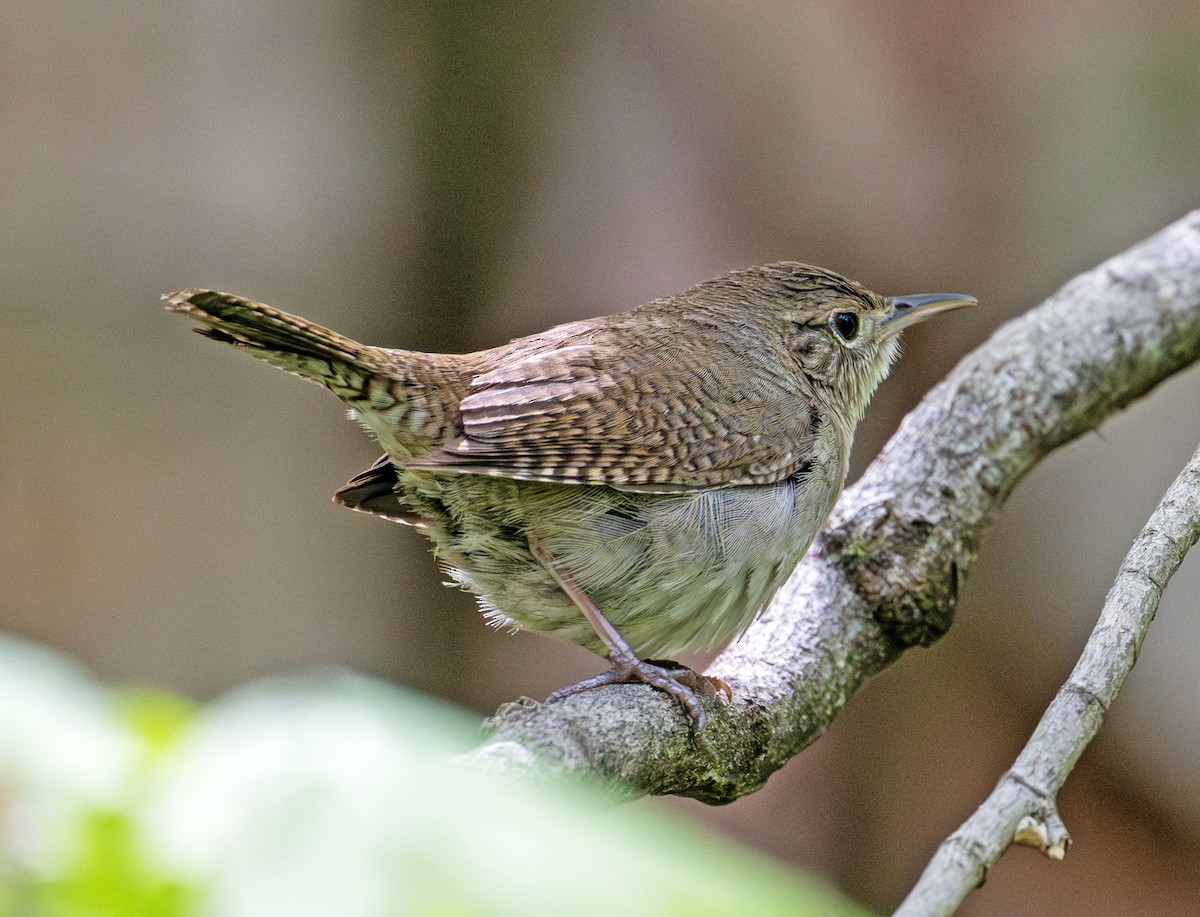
[[640, 484]]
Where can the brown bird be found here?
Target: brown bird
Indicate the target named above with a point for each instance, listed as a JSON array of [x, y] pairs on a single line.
[[640, 484]]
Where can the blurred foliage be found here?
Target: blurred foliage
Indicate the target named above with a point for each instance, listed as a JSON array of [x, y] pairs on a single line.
[[331, 794]]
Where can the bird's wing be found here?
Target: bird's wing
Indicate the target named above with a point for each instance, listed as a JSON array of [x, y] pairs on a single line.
[[634, 414]]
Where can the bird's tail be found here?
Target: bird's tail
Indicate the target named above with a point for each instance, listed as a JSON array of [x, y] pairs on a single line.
[[305, 349], [407, 399]]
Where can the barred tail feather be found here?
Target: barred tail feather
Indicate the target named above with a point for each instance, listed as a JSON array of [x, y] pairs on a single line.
[[287, 341]]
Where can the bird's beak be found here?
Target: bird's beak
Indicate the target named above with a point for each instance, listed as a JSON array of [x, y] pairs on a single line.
[[908, 310]]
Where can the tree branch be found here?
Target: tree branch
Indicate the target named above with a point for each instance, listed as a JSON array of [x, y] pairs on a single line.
[[885, 572], [1022, 808]]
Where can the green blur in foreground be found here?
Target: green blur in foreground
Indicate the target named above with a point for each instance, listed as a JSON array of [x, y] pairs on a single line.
[[331, 794]]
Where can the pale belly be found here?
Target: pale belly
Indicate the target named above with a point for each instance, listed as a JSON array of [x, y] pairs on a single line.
[[670, 572]]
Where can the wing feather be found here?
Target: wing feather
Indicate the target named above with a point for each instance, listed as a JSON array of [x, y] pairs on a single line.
[[642, 415]]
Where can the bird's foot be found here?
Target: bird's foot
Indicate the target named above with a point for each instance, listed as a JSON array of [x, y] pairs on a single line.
[[672, 678], [709, 685]]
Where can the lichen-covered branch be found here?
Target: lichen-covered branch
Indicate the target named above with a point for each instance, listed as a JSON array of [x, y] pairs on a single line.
[[885, 572], [1022, 808]]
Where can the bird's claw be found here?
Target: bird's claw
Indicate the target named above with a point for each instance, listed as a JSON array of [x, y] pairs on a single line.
[[672, 678]]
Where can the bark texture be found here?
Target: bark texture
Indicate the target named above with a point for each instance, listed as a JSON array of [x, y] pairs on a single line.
[[1023, 807]]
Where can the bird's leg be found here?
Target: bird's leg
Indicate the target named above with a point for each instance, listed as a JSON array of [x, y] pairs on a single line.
[[671, 678]]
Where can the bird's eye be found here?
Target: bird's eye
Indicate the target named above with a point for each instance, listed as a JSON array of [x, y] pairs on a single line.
[[846, 325]]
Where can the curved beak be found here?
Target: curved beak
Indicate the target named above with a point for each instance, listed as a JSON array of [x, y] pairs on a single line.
[[908, 310]]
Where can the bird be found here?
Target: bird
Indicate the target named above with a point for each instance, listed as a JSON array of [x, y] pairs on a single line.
[[640, 483]]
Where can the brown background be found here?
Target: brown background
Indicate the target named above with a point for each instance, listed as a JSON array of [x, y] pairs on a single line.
[[450, 175]]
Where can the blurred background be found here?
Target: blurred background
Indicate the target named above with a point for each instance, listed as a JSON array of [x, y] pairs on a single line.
[[449, 175]]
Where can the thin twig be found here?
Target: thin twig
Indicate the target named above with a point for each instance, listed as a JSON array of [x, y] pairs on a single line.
[[885, 572], [1023, 807]]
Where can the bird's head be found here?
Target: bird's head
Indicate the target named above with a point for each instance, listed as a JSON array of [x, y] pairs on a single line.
[[841, 336]]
